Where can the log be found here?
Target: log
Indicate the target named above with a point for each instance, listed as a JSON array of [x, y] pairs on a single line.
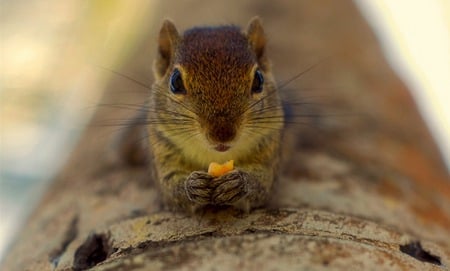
[[362, 186]]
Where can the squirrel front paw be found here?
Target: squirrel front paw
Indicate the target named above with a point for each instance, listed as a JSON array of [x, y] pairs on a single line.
[[197, 187], [229, 188], [203, 189]]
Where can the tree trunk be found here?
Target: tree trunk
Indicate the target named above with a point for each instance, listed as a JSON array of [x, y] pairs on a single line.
[[362, 187]]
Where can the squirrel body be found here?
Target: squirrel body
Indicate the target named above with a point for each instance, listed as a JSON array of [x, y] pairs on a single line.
[[214, 99]]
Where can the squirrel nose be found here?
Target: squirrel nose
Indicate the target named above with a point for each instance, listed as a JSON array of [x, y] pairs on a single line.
[[221, 133]]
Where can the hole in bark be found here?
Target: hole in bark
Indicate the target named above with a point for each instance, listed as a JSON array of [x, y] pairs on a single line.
[[415, 250], [93, 251]]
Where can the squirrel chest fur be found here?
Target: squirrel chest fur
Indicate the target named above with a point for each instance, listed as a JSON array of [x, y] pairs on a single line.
[[214, 99]]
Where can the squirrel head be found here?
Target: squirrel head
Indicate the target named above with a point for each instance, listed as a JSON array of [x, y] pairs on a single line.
[[216, 75]]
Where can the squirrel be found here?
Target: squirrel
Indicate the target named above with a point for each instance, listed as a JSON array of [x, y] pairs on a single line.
[[214, 99]]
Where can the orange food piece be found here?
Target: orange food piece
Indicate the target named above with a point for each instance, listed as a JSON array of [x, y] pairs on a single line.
[[217, 170]]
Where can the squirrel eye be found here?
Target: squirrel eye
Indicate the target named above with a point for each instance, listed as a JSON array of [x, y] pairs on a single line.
[[258, 82], [176, 83]]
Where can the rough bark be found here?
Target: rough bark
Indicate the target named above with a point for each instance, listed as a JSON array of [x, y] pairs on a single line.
[[363, 186]]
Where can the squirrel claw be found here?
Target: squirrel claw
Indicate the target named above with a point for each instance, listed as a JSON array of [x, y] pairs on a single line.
[[197, 187], [229, 188]]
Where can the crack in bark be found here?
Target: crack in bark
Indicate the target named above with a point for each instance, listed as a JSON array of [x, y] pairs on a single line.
[[157, 245], [70, 235]]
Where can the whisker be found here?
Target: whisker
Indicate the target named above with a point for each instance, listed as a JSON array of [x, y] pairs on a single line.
[[126, 77], [132, 107], [253, 104], [164, 92], [287, 82], [128, 122], [259, 126], [268, 109]]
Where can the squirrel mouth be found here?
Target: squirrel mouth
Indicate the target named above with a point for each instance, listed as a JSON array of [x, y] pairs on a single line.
[[221, 147]]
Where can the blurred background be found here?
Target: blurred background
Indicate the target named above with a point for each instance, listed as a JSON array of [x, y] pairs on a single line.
[[52, 78]]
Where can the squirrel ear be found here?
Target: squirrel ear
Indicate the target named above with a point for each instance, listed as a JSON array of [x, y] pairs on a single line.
[[167, 41], [257, 38]]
